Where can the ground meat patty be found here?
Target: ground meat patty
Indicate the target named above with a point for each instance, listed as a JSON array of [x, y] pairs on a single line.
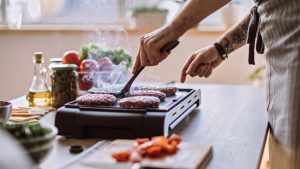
[[139, 102], [97, 99], [168, 90], [155, 93]]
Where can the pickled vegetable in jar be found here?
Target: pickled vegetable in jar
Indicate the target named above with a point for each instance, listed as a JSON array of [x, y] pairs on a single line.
[[64, 87], [53, 62]]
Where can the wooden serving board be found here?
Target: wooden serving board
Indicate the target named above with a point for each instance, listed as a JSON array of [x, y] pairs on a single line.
[[189, 156]]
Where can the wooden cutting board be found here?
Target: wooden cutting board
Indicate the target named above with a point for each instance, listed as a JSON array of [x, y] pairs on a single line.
[[189, 156]]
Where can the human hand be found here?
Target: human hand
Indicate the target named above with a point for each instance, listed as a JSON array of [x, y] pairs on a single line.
[[201, 63], [149, 53]]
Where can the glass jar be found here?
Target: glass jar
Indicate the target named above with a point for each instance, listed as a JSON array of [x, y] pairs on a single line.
[[64, 86], [53, 62]]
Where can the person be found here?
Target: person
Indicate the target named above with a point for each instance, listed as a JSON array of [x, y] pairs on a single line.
[[279, 28]]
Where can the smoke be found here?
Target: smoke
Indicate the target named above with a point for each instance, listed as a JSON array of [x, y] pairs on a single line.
[[108, 39], [110, 36]]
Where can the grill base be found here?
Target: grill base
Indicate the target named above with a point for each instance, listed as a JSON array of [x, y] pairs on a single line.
[[115, 123]]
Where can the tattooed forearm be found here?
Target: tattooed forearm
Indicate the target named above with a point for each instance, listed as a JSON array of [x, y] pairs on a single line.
[[193, 12], [227, 45], [236, 36]]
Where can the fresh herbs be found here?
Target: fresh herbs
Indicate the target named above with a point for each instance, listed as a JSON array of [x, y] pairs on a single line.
[[25, 130], [120, 55], [94, 51]]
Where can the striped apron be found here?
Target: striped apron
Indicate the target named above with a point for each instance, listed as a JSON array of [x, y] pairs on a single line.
[[280, 29]]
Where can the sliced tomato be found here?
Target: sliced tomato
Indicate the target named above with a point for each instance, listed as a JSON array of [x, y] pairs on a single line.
[[122, 156]]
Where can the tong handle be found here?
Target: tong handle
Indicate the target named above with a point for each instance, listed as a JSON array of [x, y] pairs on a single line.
[[167, 48]]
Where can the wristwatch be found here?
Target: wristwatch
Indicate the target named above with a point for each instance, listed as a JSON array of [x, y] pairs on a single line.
[[221, 50]]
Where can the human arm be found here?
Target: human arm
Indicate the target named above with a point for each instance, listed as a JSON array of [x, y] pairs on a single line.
[[191, 14], [202, 62]]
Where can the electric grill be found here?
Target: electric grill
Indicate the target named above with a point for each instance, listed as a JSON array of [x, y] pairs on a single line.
[[111, 122]]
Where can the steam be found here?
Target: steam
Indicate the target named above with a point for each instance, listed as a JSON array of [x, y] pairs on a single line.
[[111, 37], [114, 37]]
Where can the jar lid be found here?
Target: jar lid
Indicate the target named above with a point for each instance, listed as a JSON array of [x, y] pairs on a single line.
[[63, 67], [56, 60]]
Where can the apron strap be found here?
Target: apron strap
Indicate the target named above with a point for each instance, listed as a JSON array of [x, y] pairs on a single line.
[[260, 46], [253, 32]]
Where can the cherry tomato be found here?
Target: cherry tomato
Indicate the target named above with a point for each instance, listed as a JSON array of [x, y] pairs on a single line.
[[175, 138], [140, 141], [122, 156], [154, 151]]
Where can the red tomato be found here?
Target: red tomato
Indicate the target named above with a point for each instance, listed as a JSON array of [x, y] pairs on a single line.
[[121, 156], [175, 138], [71, 57], [170, 149], [154, 151], [89, 65], [141, 140]]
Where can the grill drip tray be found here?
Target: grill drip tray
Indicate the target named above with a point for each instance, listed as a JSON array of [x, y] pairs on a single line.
[[112, 122]]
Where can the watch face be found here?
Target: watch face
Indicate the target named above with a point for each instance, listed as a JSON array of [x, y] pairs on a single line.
[[224, 56]]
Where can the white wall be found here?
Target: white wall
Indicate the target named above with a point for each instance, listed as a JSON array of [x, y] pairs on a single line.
[[17, 47]]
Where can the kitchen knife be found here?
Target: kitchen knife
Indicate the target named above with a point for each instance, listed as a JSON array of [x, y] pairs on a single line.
[[167, 48]]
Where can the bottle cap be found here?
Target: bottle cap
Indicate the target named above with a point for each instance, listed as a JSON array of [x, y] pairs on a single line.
[[38, 57]]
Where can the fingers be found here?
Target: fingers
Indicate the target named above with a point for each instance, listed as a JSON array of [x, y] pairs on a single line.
[[206, 70], [164, 56], [194, 65], [209, 72], [201, 63], [150, 51], [137, 63], [143, 56], [216, 63], [185, 67]]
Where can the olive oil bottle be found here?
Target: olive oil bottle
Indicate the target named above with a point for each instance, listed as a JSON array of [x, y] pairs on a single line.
[[39, 94]]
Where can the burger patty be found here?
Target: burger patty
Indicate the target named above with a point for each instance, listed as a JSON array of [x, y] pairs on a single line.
[[97, 99], [155, 93], [168, 90], [139, 102]]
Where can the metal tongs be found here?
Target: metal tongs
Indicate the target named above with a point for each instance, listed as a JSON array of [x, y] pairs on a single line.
[[167, 48]]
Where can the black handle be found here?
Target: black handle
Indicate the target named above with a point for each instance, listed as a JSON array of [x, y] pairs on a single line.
[[169, 46]]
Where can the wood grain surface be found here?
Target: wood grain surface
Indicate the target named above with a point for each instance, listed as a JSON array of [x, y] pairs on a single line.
[[231, 118], [189, 156]]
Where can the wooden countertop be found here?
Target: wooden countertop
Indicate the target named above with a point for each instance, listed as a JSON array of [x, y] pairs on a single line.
[[231, 118]]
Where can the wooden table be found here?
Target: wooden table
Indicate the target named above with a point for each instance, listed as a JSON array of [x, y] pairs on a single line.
[[231, 118]]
